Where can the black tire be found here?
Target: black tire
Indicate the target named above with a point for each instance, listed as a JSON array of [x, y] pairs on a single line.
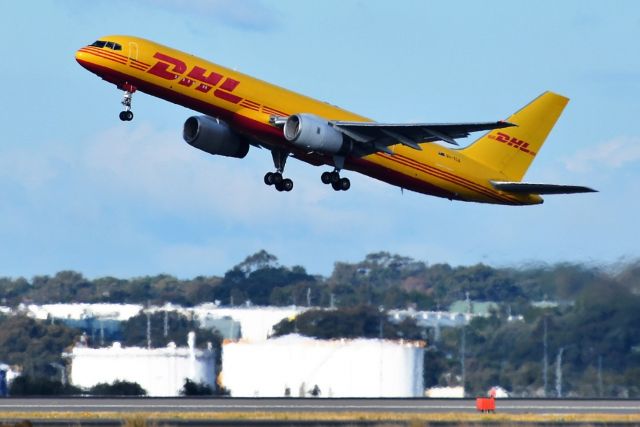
[[123, 116], [268, 178], [287, 184], [326, 177], [345, 184], [335, 177], [129, 115], [279, 186], [336, 185], [277, 178]]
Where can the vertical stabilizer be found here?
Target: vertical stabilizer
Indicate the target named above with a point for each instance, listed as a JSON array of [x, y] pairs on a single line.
[[511, 150]]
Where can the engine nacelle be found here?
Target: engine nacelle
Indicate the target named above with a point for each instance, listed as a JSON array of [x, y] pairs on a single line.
[[214, 137], [313, 133]]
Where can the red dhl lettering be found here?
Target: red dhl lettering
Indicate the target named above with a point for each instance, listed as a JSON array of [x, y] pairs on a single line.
[[511, 141], [170, 68]]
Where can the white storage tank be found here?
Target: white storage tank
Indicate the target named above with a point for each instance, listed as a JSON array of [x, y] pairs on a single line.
[[160, 371], [294, 365]]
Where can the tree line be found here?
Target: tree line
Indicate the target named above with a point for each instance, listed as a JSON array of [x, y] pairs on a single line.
[[381, 279]]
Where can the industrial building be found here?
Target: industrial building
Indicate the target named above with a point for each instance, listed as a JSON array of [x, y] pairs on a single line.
[[299, 366], [256, 323], [160, 371], [81, 311]]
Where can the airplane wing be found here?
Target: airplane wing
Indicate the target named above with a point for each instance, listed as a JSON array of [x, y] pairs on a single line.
[[530, 188], [381, 135], [370, 137]]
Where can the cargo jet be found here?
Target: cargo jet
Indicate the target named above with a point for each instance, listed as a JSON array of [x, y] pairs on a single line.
[[240, 112]]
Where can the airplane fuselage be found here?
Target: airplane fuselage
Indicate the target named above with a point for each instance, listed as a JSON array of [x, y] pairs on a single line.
[[246, 104]]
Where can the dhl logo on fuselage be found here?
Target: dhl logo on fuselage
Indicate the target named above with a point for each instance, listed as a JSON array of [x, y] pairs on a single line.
[[511, 141], [170, 68]]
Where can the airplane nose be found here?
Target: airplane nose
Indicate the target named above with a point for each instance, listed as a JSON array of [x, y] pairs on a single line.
[[83, 58], [80, 56]]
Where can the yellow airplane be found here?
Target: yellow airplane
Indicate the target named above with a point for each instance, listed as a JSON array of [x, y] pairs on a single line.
[[241, 111]]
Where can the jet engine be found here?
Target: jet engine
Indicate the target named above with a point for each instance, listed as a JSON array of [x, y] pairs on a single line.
[[314, 133], [214, 136]]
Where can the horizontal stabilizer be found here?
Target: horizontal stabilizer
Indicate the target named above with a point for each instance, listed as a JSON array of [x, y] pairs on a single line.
[[530, 188]]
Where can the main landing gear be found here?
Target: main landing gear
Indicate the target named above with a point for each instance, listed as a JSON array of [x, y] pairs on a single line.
[[285, 184], [275, 178], [337, 183], [127, 114]]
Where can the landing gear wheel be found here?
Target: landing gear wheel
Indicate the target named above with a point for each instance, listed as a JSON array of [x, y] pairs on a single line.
[[287, 184], [277, 178], [334, 177], [123, 116], [344, 184], [268, 178], [326, 177]]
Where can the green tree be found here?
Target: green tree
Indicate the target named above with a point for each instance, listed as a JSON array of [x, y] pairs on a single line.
[[192, 388], [26, 385], [118, 388]]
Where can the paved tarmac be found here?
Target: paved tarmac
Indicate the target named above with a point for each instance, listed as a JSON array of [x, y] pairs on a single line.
[[204, 405]]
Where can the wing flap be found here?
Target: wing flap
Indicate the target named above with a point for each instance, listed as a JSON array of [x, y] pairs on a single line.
[[532, 188]]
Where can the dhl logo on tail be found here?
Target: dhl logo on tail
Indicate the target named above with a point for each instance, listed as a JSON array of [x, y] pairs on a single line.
[[511, 141]]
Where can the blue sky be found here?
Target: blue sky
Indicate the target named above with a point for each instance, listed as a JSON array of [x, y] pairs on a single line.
[[82, 190]]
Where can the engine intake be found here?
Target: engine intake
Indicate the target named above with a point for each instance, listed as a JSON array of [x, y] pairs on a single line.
[[313, 133], [214, 137]]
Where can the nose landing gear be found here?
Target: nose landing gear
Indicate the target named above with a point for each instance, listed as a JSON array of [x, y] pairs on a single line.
[[127, 114]]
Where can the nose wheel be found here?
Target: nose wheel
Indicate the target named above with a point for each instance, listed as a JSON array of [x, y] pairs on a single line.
[[127, 114], [337, 183]]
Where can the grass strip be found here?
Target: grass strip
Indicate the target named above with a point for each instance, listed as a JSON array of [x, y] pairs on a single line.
[[328, 416]]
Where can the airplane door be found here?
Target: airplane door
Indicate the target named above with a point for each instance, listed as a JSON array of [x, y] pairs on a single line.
[[133, 50]]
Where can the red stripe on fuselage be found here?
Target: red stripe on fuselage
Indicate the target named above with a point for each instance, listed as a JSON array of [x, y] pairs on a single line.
[[139, 62], [102, 55], [106, 53], [455, 179]]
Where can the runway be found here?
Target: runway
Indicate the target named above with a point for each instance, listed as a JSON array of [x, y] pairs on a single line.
[[261, 405]]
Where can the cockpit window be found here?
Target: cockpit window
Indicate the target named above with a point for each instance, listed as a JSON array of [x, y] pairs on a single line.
[[109, 45]]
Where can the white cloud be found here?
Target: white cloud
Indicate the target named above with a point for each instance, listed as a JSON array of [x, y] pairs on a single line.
[[613, 154]]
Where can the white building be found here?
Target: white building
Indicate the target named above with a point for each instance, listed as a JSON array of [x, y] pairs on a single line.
[[160, 371], [78, 311], [256, 323], [445, 392], [293, 365]]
